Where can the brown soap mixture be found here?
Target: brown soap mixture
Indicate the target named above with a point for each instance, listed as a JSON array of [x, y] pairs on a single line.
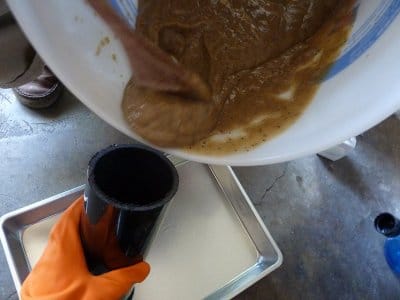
[[263, 60]]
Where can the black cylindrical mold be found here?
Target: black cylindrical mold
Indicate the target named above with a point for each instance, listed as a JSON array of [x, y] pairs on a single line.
[[128, 185], [387, 224]]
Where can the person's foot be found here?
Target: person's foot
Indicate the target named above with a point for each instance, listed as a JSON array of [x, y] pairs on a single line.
[[41, 92]]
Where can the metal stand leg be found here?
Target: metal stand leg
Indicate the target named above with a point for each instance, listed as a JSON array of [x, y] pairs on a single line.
[[339, 151]]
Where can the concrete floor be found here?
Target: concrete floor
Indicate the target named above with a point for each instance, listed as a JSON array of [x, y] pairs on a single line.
[[320, 213]]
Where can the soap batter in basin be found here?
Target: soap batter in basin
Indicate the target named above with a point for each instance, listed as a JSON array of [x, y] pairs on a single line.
[[263, 61]]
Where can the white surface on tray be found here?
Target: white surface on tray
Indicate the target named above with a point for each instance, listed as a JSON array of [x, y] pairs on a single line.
[[35, 238], [199, 247]]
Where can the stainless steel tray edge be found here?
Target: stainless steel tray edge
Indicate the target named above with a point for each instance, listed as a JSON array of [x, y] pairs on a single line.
[[229, 185], [269, 255], [16, 258]]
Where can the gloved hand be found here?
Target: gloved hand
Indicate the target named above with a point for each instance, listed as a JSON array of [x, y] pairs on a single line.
[[61, 272]]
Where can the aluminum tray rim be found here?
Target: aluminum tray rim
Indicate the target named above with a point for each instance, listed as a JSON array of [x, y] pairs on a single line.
[[236, 285]]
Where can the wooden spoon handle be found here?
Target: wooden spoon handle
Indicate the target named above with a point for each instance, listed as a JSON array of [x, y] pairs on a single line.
[[151, 66]]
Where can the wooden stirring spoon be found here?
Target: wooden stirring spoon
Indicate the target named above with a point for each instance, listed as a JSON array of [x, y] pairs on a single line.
[[151, 66]]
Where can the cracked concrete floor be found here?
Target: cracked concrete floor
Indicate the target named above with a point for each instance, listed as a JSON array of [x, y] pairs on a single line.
[[319, 212]]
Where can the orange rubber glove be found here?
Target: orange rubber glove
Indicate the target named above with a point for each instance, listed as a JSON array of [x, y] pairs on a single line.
[[61, 272]]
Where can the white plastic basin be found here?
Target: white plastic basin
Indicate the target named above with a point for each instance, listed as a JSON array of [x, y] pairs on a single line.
[[362, 89]]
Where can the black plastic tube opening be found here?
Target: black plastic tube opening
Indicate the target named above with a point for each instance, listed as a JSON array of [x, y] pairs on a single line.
[[387, 225]]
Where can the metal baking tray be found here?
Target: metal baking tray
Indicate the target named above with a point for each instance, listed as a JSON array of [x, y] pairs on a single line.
[[208, 227]]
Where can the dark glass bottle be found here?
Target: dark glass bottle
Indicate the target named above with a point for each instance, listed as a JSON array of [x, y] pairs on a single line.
[[389, 226]]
